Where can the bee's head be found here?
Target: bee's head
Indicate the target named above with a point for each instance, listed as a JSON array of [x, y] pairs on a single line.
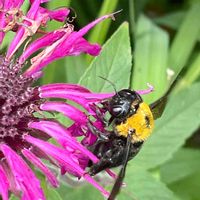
[[124, 103]]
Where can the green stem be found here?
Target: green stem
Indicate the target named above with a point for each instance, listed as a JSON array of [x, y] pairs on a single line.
[[132, 30], [191, 75], [99, 33]]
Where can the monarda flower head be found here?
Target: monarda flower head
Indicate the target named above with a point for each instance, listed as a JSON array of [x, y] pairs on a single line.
[[23, 136]]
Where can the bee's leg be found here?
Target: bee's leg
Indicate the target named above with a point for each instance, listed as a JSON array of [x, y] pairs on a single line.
[[100, 115], [108, 159], [101, 136]]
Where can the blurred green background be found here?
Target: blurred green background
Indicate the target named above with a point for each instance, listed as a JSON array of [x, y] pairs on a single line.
[[149, 42]]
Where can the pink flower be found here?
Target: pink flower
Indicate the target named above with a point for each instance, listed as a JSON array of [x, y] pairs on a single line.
[[23, 136]]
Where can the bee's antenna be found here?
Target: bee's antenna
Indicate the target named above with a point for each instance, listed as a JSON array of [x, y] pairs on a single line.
[[113, 85], [70, 19]]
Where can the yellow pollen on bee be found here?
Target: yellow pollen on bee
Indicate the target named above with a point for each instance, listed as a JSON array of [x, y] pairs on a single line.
[[141, 123]]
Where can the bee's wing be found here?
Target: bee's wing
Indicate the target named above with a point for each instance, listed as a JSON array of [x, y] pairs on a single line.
[[157, 107], [120, 178]]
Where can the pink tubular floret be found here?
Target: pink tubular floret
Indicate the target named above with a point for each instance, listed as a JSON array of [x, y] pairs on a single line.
[[25, 179], [147, 91], [68, 110], [58, 132], [38, 163], [70, 44], [4, 184], [63, 158]]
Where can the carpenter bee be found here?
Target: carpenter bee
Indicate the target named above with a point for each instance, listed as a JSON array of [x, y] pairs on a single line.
[[131, 121]]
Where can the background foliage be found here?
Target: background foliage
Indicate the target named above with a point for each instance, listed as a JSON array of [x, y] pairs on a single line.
[[150, 41]]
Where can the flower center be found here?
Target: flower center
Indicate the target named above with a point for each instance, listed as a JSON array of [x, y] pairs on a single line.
[[18, 102]]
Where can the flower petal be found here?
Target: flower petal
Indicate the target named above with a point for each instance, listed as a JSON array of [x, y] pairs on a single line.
[[57, 51], [42, 58], [23, 32], [7, 5], [68, 110], [66, 47], [84, 99], [11, 179], [82, 45], [67, 86], [37, 162], [147, 91], [58, 14], [64, 159], [24, 177], [42, 42], [4, 184], [61, 134]]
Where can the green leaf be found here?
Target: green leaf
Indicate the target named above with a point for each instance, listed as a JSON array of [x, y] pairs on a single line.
[[13, 197], [171, 20], [52, 194], [187, 189], [179, 121], [114, 63], [79, 192], [185, 40], [192, 74], [55, 70], [68, 69], [141, 185], [186, 161], [75, 67], [58, 4], [150, 58]]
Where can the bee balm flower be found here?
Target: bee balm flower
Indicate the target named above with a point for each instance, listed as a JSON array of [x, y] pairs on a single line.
[[23, 136]]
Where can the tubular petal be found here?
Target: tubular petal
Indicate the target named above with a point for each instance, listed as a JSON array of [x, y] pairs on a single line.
[[63, 93], [2, 25], [58, 50], [147, 91], [42, 42], [85, 29], [60, 133], [66, 86], [58, 14], [23, 33], [43, 58], [37, 162], [24, 177], [79, 97], [82, 45], [63, 158], [66, 47], [4, 184], [8, 4], [68, 110], [10, 176]]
